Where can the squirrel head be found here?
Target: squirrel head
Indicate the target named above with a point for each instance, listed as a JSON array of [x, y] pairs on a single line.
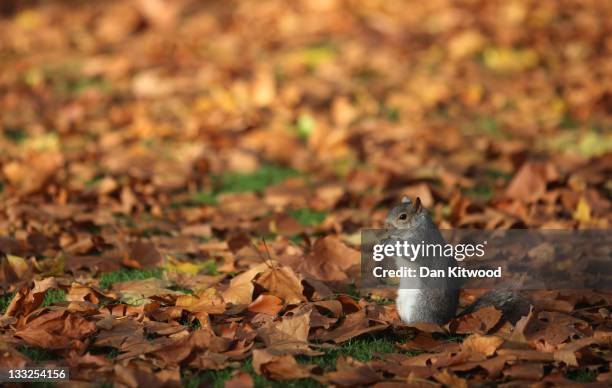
[[404, 215]]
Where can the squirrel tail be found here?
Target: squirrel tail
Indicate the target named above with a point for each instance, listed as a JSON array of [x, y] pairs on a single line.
[[512, 305]]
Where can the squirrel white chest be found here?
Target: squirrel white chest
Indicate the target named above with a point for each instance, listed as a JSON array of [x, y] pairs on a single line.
[[407, 304]]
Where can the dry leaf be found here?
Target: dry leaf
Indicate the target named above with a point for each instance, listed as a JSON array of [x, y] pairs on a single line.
[[486, 345], [279, 367]]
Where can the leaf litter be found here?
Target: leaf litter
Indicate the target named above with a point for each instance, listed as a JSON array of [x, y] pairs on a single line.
[[144, 157]]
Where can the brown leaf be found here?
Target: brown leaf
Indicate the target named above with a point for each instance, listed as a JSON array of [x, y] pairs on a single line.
[[139, 374], [26, 301], [284, 283], [57, 330], [119, 334], [333, 307], [81, 293], [329, 260], [450, 379], [142, 255], [422, 341], [354, 325], [239, 380], [159, 13], [207, 300], [240, 290], [289, 334], [529, 184], [351, 374], [266, 304], [525, 371], [279, 367], [13, 269], [428, 327], [139, 292], [480, 321], [525, 354], [11, 358], [493, 366], [483, 344]]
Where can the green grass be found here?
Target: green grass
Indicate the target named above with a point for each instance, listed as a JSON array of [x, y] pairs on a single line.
[[497, 174], [264, 176], [479, 192], [484, 125], [457, 338], [66, 79], [203, 198], [361, 349], [390, 113], [75, 87], [582, 375], [124, 275], [210, 378], [53, 296], [488, 125], [353, 291], [16, 135], [36, 354], [5, 300], [568, 122], [93, 181], [308, 217]]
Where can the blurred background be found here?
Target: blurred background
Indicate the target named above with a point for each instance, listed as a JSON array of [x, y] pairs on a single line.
[[496, 113]]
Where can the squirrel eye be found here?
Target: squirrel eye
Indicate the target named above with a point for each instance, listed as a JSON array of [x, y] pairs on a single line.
[[403, 216]]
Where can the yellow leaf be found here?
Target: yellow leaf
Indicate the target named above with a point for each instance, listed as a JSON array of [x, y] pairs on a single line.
[[506, 59], [28, 20], [191, 268], [18, 266], [583, 211]]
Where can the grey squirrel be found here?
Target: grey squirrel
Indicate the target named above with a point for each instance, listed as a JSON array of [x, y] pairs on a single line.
[[437, 301]]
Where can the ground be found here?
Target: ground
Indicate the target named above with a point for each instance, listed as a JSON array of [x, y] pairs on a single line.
[[183, 185]]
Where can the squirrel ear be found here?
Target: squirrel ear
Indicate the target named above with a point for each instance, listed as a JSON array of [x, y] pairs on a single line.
[[417, 204], [406, 200]]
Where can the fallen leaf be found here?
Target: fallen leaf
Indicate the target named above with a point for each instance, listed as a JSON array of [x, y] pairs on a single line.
[[351, 374], [207, 300], [142, 255], [354, 325], [239, 380], [139, 292], [525, 371], [266, 304], [480, 321], [289, 334], [13, 269], [329, 260], [284, 283], [486, 345], [449, 379], [279, 367], [583, 211], [530, 182], [240, 290], [57, 330]]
